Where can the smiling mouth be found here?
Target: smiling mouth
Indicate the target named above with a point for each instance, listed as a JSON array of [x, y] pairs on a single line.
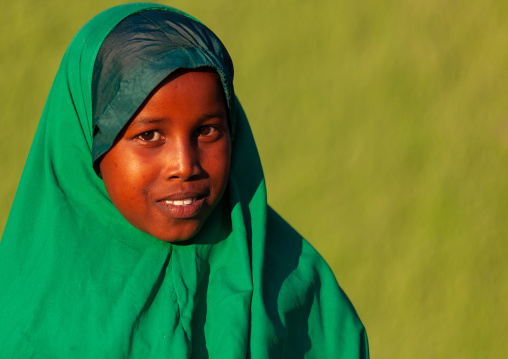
[[182, 202], [183, 205]]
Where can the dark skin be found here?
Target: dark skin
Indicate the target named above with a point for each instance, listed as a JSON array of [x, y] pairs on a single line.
[[169, 167]]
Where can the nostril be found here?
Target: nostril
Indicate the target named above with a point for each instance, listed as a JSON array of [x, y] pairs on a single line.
[[185, 168]]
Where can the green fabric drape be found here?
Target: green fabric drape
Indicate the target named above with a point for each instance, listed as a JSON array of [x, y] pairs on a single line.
[[78, 281]]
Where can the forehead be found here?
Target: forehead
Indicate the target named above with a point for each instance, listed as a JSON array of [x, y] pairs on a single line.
[[194, 95], [202, 79]]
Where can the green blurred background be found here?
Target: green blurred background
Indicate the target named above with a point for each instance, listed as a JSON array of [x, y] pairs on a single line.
[[383, 131]]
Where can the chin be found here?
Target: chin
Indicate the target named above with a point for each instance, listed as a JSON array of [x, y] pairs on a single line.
[[174, 236]]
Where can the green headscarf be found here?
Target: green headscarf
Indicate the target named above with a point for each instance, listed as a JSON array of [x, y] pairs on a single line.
[[78, 281]]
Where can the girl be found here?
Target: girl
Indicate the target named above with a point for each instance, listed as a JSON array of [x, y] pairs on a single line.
[[140, 226]]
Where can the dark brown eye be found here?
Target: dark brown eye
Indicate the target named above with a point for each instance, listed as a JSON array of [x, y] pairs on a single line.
[[207, 131], [150, 136]]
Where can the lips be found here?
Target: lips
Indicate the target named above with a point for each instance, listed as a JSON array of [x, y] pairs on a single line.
[[183, 204]]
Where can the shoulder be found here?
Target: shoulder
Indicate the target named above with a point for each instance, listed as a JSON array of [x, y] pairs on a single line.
[[287, 251], [313, 308]]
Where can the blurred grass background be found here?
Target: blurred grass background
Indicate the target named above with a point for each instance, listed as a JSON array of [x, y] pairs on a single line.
[[383, 131]]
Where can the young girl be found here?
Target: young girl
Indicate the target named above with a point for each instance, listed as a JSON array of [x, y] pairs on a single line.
[[140, 227]]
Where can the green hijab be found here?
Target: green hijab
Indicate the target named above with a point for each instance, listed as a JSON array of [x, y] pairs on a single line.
[[78, 281]]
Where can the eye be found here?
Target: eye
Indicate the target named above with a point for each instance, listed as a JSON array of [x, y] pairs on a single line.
[[149, 136], [207, 131]]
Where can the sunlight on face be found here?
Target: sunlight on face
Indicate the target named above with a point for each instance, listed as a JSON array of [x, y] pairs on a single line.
[[169, 166]]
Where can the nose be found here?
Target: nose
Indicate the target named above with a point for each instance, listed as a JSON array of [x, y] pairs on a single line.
[[182, 160]]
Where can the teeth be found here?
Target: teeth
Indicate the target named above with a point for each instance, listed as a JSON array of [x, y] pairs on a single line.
[[181, 202]]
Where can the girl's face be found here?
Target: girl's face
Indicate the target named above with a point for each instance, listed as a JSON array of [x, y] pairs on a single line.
[[169, 166]]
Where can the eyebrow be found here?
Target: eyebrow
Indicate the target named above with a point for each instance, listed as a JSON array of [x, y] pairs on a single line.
[[145, 121], [213, 115], [150, 120]]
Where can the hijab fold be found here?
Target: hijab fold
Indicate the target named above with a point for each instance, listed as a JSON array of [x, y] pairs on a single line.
[[77, 280]]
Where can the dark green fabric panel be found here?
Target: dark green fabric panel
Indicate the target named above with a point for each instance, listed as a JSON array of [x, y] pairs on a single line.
[[78, 281]]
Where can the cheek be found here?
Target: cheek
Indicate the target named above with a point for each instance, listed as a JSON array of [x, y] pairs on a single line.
[[122, 175], [217, 164]]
